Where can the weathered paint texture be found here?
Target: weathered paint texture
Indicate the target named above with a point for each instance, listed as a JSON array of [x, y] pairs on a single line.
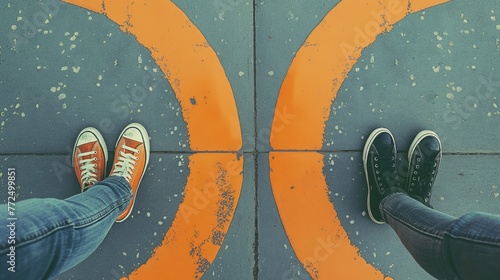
[[202, 221], [188, 62], [209, 109], [323, 62], [308, 91]]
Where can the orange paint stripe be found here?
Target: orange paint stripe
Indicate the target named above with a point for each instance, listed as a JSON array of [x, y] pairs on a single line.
[[310, 221], [308, 90], [201, 86], [202, 221], [189, 63], [323, 62]]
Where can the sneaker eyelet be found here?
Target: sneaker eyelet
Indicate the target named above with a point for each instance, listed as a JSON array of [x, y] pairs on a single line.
[[415, 172], [376, 165], [419, 159], [417, 166]]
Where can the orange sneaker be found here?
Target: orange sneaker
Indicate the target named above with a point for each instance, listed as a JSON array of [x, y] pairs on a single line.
[[90, 157], [131, 160]]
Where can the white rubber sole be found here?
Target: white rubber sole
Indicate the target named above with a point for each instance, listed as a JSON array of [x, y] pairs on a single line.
[[368, 143]]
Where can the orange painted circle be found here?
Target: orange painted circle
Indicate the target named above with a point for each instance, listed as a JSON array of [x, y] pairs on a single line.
[[308, 90], [214, 185]]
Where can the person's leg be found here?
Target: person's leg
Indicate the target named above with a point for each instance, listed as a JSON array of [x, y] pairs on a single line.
[[54, 235], [446, 247]]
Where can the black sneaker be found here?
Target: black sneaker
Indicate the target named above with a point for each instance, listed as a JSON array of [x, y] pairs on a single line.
[[379, 162], [424, 158]]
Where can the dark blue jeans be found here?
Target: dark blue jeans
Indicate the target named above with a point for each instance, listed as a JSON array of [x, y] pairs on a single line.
[[446, 247], [53, 235]]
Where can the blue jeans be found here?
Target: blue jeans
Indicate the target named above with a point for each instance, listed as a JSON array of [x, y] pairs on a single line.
[[52, 235], [446, 247]]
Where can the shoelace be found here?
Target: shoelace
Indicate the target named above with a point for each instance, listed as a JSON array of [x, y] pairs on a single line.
[[389, 176], [87, 167], [126, 162], [422, 179]]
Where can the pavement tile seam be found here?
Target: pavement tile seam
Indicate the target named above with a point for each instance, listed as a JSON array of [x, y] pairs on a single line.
[[492, 153]]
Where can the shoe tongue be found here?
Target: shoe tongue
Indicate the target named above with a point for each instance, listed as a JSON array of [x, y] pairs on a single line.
[[131, 143], [87, 147]]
